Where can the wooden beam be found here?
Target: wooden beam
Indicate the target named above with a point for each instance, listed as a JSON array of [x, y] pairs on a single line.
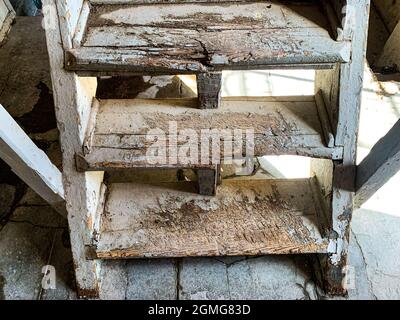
[[7, 15], [30, 163], [382, 163]]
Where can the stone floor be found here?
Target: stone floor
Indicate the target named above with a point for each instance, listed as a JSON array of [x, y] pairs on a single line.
[[32, 235]]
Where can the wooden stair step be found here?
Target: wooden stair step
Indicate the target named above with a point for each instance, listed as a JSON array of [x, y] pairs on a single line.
[[178, 38], [122, 136], [249, 217]]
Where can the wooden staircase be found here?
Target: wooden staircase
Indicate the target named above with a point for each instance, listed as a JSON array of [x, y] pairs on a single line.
[[207, 215]]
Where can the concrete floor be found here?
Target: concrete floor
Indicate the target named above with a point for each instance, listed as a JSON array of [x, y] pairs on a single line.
[[33, 235]]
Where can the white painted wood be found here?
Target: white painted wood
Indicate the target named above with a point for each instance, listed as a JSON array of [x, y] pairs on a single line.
[[30, 163], [73, 98], [382, 163], [7, 16]]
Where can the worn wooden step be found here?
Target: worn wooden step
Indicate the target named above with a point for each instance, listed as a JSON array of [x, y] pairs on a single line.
[[252, 217], [121, 36], [123, 133]]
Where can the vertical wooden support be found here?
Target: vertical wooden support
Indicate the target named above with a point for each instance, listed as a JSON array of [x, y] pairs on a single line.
[[7, 15], [209, 96], [73, 99], [342, 89], [209, 90]]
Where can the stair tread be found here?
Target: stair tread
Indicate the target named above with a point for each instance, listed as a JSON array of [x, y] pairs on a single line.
[[199, 37], [281, 126], [251, 217]]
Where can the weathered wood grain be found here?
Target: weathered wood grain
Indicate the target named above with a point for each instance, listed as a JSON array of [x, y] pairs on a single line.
[[209, 90], [123, 135], [245, 218], [7, 15], [30, 163], [68, 13], [202, 37]]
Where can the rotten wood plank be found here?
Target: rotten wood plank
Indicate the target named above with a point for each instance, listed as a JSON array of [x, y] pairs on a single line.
[[124, 133], [204, 37], [381, 164], [252, 217]]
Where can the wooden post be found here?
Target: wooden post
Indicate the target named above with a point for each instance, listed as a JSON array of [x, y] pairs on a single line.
[[209, 96], [209, 90], [342, 88], [73, 100], [30, 163], [382, 163]]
